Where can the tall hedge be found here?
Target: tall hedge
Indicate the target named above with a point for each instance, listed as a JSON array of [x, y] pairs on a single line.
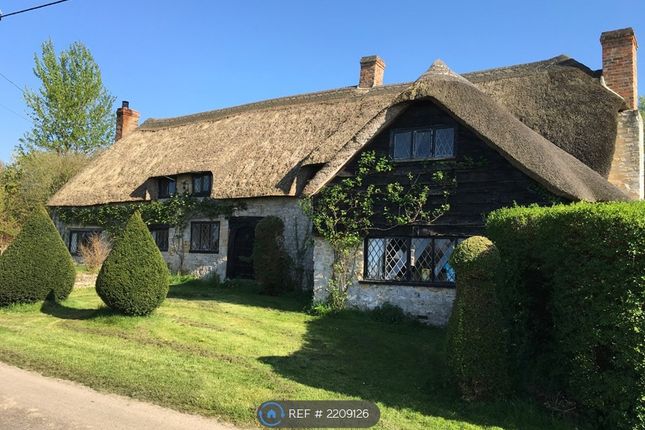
[[271, 262], [574, 289], [134, 278], [37, 264], [476, 345]]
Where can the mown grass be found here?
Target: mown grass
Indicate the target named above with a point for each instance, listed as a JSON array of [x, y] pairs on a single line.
[[223, 351]]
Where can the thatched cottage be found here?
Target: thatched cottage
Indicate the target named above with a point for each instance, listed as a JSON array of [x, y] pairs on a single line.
[[547, 130]]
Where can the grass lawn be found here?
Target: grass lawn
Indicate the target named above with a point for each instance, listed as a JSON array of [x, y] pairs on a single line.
[[223, 351]]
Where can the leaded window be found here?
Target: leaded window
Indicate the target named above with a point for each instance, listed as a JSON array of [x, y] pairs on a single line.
[[423, 144], [410, 259], [160, 235], [202, 184], [204, 236]]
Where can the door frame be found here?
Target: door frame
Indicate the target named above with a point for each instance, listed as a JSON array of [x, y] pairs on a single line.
[[235, 223]]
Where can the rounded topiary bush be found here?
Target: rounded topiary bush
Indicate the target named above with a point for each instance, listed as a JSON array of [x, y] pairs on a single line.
[[270, 259], [37, 264], [134, 278], [476, 345]]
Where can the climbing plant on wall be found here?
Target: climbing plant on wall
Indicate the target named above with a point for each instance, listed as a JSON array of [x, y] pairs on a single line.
[[175, 211], [342, 213]]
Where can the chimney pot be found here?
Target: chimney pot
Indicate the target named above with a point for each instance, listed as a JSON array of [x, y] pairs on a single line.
[[372, 69], [127, 120], [619, 63]]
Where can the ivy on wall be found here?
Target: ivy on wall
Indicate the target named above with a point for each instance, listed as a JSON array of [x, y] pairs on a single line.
[[342, 213], [175, 211]]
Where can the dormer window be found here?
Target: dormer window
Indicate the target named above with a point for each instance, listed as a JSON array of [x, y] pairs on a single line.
[[167, 186], [202, 184], [430, 143]]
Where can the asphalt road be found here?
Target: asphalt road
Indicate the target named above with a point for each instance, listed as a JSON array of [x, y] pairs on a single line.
[[32, 401]]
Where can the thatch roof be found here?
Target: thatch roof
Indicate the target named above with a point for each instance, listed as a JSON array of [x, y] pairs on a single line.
[[259, 149], [252, 150], [562, 100], [549, 165]]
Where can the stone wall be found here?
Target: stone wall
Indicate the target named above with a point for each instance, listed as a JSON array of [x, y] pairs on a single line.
[[297, 236], [627, 168], [429, 305], [297, 239]]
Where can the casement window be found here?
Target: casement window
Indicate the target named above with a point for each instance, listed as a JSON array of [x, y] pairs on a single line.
[[410, 259], [202, 184], [204, 236], [167, 186], [423, 143], [160, 235], [80, 237]]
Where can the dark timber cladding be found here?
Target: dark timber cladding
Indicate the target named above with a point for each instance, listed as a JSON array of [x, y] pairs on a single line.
[[485, 180]]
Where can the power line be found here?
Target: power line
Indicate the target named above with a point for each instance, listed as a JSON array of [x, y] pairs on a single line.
[[15, 113], [11, 82], [30, 9]]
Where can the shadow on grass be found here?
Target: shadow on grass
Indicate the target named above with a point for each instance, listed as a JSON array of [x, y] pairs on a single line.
[[239, 292], [57, 310], [399, 365]]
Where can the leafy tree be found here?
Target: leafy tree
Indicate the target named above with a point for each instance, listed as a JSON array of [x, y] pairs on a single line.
[[72, 110], [8, 226], [32, 179]]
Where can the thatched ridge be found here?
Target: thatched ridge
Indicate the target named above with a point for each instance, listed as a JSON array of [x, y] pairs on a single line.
[[261, 149]]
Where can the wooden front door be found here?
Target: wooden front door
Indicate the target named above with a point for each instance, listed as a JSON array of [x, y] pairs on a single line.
[[240, 247]]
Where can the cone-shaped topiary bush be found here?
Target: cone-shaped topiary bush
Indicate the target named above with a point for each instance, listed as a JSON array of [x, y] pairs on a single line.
[[476, 342], [271, 262], [36, 264], [134, 277]]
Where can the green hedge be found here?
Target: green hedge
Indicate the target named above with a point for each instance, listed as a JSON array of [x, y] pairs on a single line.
[[37, 264], [476, 343], [134, 278], [573, 288], [271, 263]]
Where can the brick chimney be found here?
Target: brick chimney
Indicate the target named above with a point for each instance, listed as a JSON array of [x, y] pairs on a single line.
[[372, 69], [627, 170], [126, 120], [619, 63]]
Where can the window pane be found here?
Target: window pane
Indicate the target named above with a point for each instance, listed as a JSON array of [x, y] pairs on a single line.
[[444, 142], [214, 239], [402, 145], [194, 237], [443, 249], [421, 259], [172, 187], [422, 143], [396, 259], [204, 236], [206, 184], [374, 260], [160, 236], [73, 242], [197, 185]]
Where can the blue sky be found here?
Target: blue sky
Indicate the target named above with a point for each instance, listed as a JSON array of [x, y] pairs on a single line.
[[176, 57]]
